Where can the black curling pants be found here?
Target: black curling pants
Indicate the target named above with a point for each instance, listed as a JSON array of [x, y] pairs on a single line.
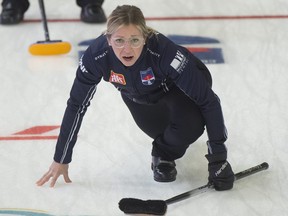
[[24, 4], [174, 123], [82, 3]]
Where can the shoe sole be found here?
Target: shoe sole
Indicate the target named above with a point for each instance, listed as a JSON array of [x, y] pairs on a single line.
[[164, 181]]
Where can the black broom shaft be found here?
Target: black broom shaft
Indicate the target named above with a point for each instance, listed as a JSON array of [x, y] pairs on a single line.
[[44, 19], [207, 187], [251, 171]]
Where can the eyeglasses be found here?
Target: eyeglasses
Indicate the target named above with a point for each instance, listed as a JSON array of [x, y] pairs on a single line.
[[134, 42]]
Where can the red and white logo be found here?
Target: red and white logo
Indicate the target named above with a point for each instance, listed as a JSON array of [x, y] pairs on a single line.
[[117, 78]]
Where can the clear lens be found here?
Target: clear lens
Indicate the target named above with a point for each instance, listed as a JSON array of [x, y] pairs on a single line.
[[134, 42]]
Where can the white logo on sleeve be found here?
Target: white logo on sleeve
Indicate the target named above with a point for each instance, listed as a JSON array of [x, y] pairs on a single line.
[[81, 66], [179, 62]]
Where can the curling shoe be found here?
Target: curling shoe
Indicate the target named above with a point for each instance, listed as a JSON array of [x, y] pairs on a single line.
[[92, 13], [163, 170], [11, 15]]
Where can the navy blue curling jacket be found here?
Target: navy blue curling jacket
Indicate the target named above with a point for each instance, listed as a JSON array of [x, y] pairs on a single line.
[[161, 65]]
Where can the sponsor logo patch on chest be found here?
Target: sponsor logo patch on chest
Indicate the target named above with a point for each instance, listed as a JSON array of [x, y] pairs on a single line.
[[147, 77], [117, 78]]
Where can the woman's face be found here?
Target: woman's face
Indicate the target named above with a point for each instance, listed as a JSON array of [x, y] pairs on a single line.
[[127, 43]]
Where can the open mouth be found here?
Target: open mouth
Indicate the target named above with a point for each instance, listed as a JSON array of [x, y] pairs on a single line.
[[127, 58]]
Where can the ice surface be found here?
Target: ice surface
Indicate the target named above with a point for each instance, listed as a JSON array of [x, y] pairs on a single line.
[[112, 156]]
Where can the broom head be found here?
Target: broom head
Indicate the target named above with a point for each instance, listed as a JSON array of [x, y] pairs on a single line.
[[50, 47]]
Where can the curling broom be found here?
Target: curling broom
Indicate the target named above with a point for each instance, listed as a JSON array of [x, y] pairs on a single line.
[[48, 47], [159, 207]]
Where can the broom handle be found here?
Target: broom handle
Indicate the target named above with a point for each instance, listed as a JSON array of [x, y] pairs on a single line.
[[44, 19], [209, 186]]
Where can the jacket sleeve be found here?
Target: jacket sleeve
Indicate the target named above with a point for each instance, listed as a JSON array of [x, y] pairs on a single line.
[[81, 93], [194, 79]]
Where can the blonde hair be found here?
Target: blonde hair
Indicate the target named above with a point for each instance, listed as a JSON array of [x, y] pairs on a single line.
[[125, 15]]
